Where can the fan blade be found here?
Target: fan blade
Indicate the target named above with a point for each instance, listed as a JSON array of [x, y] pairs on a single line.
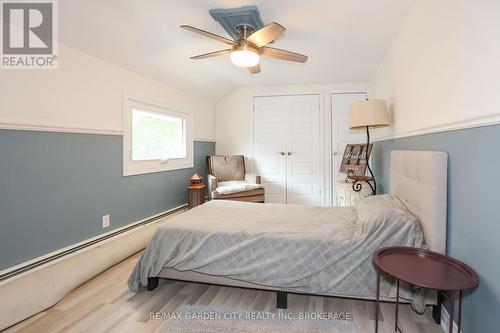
[[282, 54], [209, 35], [212, 54], [266, 34], [254, 69]]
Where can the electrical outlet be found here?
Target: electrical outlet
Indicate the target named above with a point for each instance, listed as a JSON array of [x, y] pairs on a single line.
[[105, 221]]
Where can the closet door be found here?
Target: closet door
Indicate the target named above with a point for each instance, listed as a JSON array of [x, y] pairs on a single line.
[[270, 145], [304, 179], [341, 133]]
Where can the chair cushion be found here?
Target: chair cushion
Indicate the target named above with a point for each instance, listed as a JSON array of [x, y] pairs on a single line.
[[235, 186], [226, 168]]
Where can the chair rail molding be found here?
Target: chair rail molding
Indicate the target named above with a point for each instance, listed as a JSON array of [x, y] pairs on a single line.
[[56, 129], [482, 121]]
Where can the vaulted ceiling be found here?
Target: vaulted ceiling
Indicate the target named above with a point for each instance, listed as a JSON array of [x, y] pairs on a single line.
[[344, 39]]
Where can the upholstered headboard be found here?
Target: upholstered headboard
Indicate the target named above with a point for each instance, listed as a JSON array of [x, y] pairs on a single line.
[[419, 180]]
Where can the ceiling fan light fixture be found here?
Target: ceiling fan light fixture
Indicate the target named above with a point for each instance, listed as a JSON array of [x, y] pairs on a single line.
[[249, 45], [245, 58], [245, 55]]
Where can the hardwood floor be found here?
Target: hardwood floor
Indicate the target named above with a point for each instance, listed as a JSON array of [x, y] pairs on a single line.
[[104, 304]]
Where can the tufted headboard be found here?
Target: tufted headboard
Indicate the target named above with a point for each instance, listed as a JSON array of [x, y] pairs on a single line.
[[419, 180]]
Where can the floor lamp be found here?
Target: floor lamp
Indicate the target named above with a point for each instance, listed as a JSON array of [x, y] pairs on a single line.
[[366, 114]]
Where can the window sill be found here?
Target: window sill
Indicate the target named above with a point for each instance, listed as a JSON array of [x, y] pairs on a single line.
[[161, 168]]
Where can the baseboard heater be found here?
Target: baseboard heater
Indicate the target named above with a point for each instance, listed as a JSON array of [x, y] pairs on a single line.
[[89, 243]]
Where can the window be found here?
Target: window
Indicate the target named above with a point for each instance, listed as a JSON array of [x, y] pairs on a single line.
[[154, 138], [157, 137]]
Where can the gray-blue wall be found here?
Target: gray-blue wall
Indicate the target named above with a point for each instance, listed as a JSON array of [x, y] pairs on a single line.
[[473, 209], [55, 188]]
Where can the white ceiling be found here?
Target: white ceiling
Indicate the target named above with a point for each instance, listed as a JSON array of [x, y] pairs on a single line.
[[344, 39]]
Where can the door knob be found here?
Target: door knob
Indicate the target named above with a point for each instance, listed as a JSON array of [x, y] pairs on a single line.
[[282, 153], [289, 153], [335, 153]]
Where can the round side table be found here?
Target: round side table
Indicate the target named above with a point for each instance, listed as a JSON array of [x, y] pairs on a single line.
[[426, 269]]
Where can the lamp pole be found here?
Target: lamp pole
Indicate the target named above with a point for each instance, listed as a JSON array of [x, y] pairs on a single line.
[[374, 188]]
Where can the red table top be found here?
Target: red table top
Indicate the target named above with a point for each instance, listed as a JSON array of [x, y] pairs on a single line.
[[425, 268]]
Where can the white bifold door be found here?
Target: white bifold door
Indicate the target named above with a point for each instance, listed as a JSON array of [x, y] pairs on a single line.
[[287, 148]]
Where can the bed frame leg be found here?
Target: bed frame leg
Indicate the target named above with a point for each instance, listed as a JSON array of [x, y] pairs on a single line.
[[436, 309], [281, 300], [153, 282]]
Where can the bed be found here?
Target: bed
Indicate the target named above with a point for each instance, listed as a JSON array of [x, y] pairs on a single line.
[[311, 250]]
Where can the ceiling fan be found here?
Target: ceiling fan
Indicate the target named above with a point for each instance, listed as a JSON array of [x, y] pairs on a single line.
[[246, 51]]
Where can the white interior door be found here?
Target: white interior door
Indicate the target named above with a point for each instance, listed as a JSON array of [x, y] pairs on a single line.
[[303, 151], [287, 148], [341, 133], [270, 145]]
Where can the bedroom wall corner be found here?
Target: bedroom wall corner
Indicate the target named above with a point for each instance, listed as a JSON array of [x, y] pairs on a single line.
[[440, 78], [61, 154], [473, 210]]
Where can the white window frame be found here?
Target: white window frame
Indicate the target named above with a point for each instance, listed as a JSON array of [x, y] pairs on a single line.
[[131, 167]]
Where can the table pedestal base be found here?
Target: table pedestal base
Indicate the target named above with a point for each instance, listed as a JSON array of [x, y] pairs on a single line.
[[396, 327]]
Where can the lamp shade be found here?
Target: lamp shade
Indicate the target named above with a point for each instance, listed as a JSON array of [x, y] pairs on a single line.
[[371, 113]]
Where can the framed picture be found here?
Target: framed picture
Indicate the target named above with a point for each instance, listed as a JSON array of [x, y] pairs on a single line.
[[354, 159]]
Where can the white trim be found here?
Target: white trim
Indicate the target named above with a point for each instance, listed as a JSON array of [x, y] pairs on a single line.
[[203, 140], [282, 93], [70, 130], [59, 251], [131, 167], [27, 295], [482, 121], [445, 321], [56, 129]]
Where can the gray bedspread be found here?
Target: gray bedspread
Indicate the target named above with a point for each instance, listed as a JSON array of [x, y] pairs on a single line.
[[305, 249]]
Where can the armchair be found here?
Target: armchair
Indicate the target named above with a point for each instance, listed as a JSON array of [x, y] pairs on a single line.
[[228, 180]]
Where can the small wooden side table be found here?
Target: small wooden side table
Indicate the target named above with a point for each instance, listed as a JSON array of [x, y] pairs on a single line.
[[426, 269], [196, 195]]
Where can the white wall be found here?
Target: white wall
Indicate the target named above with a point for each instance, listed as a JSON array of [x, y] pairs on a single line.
[[85, 94], [234, 119], [443, 69]]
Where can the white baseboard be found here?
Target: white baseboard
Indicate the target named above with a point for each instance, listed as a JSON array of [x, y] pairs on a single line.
[[79, 244], [33, 291], [445, 321]]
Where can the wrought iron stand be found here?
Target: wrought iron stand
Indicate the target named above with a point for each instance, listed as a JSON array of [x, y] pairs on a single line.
[[356, 186]]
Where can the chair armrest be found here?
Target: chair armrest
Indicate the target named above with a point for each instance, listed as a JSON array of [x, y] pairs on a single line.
[[213, 183], [252, 178]]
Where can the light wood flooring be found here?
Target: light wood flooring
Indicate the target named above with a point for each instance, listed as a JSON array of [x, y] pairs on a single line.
[[104, 304]]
